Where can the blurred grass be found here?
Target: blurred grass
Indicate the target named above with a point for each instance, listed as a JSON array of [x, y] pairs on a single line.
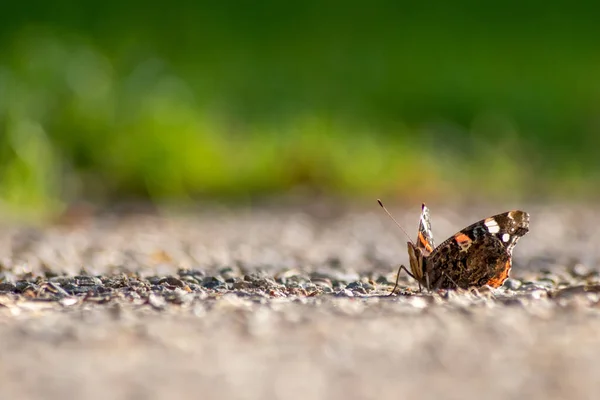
[[105, 101]]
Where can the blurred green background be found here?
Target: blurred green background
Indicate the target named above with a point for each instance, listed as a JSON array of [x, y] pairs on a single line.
[[177, 101]]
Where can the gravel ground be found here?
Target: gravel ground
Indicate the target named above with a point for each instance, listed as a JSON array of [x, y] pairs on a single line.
[[291, 303]]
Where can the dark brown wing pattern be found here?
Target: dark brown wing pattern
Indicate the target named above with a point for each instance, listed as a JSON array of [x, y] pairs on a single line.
[[478, 255]]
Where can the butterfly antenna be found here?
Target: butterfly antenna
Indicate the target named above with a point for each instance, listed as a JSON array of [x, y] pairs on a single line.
[[394, 219]]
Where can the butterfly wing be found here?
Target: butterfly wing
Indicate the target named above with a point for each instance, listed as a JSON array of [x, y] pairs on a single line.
[[478, 255], [425, 235]]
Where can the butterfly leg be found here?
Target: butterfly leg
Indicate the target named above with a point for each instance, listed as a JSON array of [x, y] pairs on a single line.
[[451, 280], [445, 275], [402, 267], [438, 282]]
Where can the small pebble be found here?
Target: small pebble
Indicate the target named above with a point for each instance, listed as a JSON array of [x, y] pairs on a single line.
[[171, 280], [345, 293], [368, 287], [23, 286], [580, 271], [512, 284], [382, 280], [85, 280], [157, 302], [190, 279], [359, 290], [322, 282], [8, 287], [213, 282], [354, 285], [569, 292]]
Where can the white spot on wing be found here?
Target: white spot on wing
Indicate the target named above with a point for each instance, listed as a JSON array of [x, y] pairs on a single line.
[[505, 238], [491, 225]]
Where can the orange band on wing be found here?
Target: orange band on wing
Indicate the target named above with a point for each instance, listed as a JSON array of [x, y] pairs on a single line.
[[425, 243], [499, 280], [462, 238]]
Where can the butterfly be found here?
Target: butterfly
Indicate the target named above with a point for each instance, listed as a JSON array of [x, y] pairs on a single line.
[[479, 255]]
